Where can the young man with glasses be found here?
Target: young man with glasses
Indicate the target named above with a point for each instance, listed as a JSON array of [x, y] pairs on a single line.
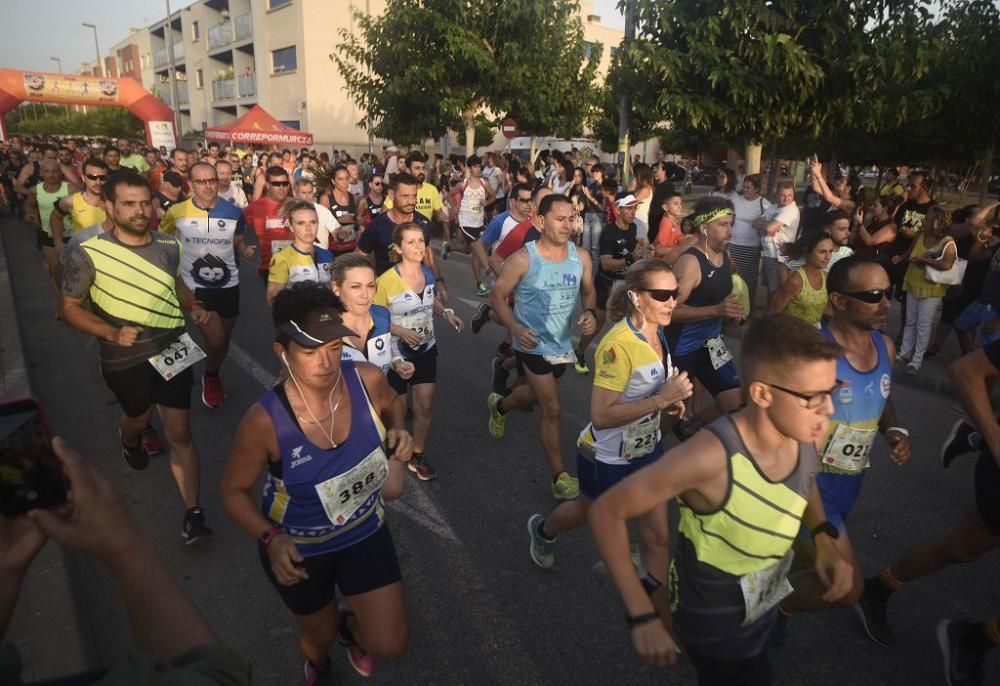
[[265, 218], [859, 300], [745, 487], [211, 231], [84, 209]]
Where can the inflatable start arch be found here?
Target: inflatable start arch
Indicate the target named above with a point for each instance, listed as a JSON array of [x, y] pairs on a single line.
[[67, 89]]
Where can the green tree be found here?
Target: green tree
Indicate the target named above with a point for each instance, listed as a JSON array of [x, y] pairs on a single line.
[[427, 66], [626, 77], [59, 120]]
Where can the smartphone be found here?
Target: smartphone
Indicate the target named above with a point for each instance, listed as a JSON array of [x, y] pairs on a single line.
[[31, 476]]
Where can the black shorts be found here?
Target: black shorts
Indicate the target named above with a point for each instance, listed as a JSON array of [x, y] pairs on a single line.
[[472, 232], [987, 487], [603, 287], [698, 365], [140, 387], [225, 302], [364, 566], [425, 369], [537, 365], [751, 671], [45, 240]]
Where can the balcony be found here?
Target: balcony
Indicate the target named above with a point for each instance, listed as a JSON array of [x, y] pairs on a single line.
[[244, 27], [247, 86], [160, 58], [182, 94], [179, 51], [224, 89], [219, 36]]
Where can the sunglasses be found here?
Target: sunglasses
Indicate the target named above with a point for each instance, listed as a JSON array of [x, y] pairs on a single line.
[[662, 295], [279, 184], [204, 182], [96, 177], [527, 199], [814, 401], [873, 297]]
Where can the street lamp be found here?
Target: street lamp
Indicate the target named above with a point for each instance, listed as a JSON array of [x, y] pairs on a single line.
[[57, 61], [97, 47]]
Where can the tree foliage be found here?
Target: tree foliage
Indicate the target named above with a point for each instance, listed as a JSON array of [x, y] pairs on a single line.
[[43, 119]]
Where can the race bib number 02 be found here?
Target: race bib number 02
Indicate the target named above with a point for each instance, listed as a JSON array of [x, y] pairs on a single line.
[[640, 437], [718, 353], [765, 588], [177, 357], [343, 495], [849, 448]]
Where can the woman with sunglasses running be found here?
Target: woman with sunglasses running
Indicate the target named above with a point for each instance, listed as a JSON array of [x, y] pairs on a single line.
[[634, 382], [373, 203]]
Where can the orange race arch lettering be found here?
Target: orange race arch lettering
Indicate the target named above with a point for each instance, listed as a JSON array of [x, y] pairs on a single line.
[[67, 89]]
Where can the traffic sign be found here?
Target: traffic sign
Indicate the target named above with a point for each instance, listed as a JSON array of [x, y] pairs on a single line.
[[508, 127]]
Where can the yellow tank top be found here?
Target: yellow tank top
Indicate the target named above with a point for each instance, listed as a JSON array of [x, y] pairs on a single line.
[[915, 281], [83, 215], [810, 303]]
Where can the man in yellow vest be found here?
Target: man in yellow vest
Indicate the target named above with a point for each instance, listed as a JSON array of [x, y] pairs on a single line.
[[131, 275]]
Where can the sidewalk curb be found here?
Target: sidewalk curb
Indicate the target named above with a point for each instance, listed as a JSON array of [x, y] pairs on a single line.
[[47, 608]]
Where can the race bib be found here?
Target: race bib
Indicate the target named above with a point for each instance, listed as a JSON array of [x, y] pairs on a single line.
[[177, 357], [422, 323], [849, 448], [277, 246], [765, 588], [343, 495], [718, 352], [565, 358], [641, 436]]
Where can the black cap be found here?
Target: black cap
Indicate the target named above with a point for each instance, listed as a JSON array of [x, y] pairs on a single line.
[[317, 328], [173, 178]]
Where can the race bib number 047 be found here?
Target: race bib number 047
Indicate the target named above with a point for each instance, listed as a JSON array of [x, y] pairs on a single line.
[[177, 357]]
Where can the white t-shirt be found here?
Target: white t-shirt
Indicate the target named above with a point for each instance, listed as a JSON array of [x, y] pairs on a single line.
[[494, 177], [327, 225], [746, 212], [235, 195], [788, 216]]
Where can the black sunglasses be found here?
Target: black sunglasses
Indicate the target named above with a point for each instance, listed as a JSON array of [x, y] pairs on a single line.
[[279, 184], [96, 177], [872, 297], [813, 400], [522, 199], [662, 294]]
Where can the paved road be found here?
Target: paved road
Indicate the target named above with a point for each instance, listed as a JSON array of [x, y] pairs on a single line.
[[480, 611]]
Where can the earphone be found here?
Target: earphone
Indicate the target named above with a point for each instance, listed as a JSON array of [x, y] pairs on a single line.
[[284, 359]]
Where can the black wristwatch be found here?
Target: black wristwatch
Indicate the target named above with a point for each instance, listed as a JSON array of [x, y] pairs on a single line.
[[825, 528], [639, 620]]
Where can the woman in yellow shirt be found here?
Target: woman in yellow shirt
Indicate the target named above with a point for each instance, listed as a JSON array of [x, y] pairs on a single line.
[[803, 294]]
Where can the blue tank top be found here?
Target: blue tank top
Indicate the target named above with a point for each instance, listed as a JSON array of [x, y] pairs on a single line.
[[327, 500], [716, 285], [377, 348], [858, 407], [545, 298]]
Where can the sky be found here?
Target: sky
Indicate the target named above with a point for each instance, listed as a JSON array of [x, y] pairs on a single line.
[[35, 30]]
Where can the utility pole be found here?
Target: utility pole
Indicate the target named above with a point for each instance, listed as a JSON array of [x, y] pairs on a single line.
[[625, 106], [97, 47], [58, 61], [168, 34], [368, 112]]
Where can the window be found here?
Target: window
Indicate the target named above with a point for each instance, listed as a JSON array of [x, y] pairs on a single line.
[[199, 78], [195, 31], [275, 4], [283, 60], [588, 49], [145, 61], [294, 123], [614, 51]]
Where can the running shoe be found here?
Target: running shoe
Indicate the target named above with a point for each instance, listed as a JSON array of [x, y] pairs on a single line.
[[565, 487], [194, 528], [481, 290], [422, 469], [481, 317], [151, 442], [445, 250], [871, 610], [580, 366], [901, 358], [963, 438], [135, 456], [499, 376], [912, 368], [541, 549], [318, 676], [363, 663], [963, 664], [496, 419], [212, 393]]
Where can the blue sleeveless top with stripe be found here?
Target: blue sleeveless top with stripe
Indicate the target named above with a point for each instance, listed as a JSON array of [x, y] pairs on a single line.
[[545, 298]]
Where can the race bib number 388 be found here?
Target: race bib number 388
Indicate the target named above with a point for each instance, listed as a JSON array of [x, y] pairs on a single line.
[[343, 495]]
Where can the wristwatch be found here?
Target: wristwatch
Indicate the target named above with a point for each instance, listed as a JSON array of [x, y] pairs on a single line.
[[825, 528]]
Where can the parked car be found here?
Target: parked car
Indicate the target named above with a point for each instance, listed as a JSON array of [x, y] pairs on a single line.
[[680, 176]]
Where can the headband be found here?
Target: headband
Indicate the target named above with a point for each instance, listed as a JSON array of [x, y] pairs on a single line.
[[710, 216]]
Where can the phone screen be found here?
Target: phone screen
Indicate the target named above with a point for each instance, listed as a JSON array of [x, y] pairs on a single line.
[[30, 475]]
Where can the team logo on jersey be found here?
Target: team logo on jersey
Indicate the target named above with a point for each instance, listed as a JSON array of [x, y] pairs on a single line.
[[846, 394], [886, 384], [379, 344], [609, 356], [210, 270], [298, 458], [222, 223]]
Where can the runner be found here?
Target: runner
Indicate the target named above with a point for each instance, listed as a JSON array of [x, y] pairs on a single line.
[[705, 300], [804, 294], [978, 534], [476, 194], [545, 278], [265, 217], [862, 408], [407, 291], [634, 382], [39, 207], [734, 544], [620, 246], [85, 208], [344, 207], [132, 276], [303, 260], [305, 189], [373, 203], [170, 193], [229, 190], [212, 232], [321, 525]]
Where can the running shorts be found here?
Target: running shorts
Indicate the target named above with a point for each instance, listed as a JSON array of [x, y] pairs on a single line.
[[538, 365], [225, 302], [987, 487], [424, 371], [596, 477], [140, 387], [698, 365], [472, 232], [839, 493], [603, 287], [751, 671], [362, 567]]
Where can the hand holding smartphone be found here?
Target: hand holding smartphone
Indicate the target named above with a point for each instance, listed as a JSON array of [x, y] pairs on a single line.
[[31, 475]]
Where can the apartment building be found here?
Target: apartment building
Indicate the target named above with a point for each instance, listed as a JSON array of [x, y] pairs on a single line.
[[232, 54]]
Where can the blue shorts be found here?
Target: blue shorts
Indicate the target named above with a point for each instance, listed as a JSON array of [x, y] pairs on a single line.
[[975, 316], [839, 493], [698, 365], [596, 476]]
